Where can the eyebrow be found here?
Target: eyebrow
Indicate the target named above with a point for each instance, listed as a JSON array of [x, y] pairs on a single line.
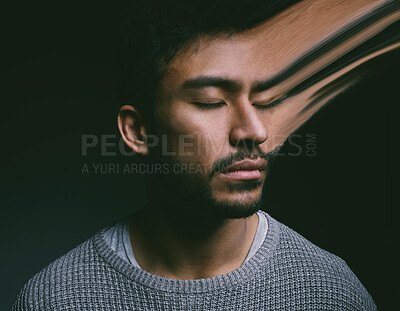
[[227, 84]]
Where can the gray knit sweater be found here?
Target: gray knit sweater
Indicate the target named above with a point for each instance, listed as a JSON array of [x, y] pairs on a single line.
[[286, 273]]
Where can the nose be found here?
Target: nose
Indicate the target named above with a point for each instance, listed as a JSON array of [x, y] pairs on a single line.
[[246, 125]]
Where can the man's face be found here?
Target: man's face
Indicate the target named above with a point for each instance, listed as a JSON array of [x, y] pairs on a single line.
[[216, 114], [217, 109]]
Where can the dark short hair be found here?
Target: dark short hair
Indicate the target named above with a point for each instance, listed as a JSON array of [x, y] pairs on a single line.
[[156, 30]]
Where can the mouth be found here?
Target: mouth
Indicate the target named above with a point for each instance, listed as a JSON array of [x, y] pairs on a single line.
[[245, 169]]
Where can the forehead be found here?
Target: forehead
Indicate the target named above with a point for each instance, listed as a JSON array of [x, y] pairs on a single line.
[[264, 51]]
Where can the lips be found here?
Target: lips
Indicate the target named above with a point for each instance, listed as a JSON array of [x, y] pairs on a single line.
[[246, 169], [248, 165]]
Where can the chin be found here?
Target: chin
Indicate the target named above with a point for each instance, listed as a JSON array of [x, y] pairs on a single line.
[[240, 200], [237, 207]]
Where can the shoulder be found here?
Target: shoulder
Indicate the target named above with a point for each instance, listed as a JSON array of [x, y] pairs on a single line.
[[318, 272], [54, 286]]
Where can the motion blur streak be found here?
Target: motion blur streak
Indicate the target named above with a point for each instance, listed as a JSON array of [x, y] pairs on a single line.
[[339, 43]]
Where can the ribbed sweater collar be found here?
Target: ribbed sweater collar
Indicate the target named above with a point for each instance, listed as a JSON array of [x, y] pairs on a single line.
[[235, 278]]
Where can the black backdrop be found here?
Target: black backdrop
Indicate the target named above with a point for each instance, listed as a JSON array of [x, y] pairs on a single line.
[[57, 81]]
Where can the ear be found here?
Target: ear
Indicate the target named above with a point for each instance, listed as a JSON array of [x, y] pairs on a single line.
[[132, 129]]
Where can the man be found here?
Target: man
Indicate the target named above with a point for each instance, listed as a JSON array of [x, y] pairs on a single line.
[[201, 112]]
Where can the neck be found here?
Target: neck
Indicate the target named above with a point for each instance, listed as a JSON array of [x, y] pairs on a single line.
[[179, 245]]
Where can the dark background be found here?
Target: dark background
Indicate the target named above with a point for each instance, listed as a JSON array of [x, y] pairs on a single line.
[[58, 83]]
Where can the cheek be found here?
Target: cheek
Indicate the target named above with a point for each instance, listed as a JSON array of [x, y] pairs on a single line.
[[196, 135], [180, 118], [274, 121], [211, 147]]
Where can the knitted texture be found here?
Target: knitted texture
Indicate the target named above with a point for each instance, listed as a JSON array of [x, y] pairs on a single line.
[[286, 273]]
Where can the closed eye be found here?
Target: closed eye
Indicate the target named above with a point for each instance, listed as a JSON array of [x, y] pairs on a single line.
[[269, 105], [208, 105]]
